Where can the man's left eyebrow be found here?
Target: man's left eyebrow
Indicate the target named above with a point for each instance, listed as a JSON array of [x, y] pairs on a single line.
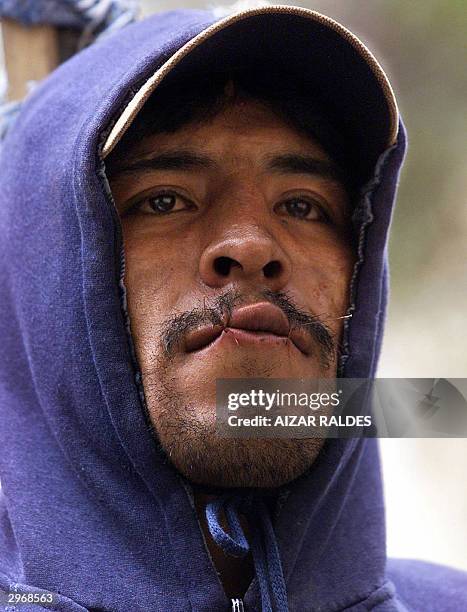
[[294, 163], [184, 160]]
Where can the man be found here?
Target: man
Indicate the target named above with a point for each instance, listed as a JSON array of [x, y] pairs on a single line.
[[185, 201]]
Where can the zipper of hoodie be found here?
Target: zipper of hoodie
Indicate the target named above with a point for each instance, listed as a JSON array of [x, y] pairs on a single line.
[[237, 605]]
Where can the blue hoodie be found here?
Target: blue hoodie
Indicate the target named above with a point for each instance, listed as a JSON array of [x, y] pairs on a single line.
[[90, 510]]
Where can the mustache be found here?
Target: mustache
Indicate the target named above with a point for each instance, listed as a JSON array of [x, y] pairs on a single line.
[[220, 311]]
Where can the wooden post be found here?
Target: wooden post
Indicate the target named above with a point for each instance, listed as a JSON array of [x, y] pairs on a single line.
[[31, 52]]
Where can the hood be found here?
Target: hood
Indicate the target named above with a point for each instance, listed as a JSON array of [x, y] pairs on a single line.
[[89, 508]]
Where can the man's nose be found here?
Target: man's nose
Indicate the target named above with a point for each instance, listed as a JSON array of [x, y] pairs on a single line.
[[245, 255]]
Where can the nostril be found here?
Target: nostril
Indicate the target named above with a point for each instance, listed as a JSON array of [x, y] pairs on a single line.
[[272, 269], [223, 265]]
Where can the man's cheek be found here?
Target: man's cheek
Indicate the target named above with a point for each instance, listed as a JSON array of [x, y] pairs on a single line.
[[326, 289], [149, 266], [149, 299]]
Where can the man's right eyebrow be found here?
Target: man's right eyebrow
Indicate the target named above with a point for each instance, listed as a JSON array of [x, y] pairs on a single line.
[[169, 160], [293, 163]]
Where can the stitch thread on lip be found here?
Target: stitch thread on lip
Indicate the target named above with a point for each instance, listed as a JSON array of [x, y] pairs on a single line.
[[227, 330]]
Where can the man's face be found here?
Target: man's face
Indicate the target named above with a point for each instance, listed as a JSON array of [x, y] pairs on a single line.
[[238, 261]]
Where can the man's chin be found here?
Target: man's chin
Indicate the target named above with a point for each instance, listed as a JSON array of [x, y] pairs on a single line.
[[181, 399], [205, 458]]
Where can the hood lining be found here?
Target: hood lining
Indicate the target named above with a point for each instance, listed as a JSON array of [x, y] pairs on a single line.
[[362, 217]]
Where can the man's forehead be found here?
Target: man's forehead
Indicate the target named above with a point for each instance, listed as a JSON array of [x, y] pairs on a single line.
[[244, 136], [248, 123]]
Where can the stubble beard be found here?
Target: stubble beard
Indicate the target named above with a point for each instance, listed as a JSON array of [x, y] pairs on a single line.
[[187, 435]]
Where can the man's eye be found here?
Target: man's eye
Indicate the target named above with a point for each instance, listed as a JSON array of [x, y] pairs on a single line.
[[163, 203], [301, 208]]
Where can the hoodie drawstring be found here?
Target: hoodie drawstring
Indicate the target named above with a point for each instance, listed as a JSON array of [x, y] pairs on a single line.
[[266, 558]]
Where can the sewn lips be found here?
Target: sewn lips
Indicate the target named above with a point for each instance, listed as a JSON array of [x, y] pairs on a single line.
[[263, 324]]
